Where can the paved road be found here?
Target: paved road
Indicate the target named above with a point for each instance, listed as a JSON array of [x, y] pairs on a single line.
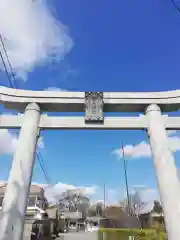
[[75, 236], [79, 236]]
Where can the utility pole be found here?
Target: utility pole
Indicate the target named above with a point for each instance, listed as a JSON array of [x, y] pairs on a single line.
[[104, 210], [126, 179], [104, 196]]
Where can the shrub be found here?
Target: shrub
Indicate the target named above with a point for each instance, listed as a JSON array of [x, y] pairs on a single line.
[[124, 234]]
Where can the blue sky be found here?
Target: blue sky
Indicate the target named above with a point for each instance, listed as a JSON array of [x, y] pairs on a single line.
[[112, 46]]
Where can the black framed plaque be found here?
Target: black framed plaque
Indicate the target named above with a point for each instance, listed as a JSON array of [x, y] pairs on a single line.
[[94, 107]]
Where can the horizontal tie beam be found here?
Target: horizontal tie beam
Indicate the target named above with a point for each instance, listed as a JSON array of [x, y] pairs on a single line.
[[76, 123]]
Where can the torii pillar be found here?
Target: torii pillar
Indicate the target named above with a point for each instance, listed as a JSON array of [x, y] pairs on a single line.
[[166, 171], [16, 196]]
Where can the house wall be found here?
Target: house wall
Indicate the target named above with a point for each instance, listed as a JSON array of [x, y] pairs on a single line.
[[145, 220], [150, 221], [36, 198]]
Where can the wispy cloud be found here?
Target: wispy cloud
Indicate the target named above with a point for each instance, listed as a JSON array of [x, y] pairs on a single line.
[[32, 35], [143, 148], [56, 190], [9, 141], [94, 192], [142, 196], [55, 89], [146, 194]]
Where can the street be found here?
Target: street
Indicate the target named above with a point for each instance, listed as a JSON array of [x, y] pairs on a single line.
[[75, 236], [79, 236]]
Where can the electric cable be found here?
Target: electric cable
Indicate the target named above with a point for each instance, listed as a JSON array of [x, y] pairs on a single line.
[[38, 154], [41, 162], [6, 71], [176, 6], [46, 175], [9, 63]]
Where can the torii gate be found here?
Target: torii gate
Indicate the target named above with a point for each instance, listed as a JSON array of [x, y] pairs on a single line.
[[33, 103]]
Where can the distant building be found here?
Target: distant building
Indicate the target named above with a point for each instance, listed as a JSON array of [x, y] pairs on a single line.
[[36, 200], [150, 218]]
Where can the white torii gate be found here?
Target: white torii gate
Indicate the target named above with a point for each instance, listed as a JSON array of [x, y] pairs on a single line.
[[33, 103]]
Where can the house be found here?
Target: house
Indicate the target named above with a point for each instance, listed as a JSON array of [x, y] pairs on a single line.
[[36, 200], [117, 217], [150, 218]]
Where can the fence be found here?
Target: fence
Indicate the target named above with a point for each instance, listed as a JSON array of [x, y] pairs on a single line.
[[130, 234]]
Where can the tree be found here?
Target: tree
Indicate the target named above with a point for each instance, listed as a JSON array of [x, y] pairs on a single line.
[[114, 212], [92, 211], [119, 218], [74, 201], [99, 209], [135, 201], [96, 209], [157, 207]]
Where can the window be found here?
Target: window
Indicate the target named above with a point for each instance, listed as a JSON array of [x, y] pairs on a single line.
[[31, 201], [1, 201]]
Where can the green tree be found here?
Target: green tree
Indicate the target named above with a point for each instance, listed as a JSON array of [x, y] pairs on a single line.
[[92, 211], [157, 207]]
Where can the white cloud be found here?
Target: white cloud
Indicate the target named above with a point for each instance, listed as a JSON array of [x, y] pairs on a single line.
[[55, 191], [143, 148], [112, 196], [31, 34], [142, 197], [55, 89], [146, 194], [94, 192], [59, 188], [115, 196], [41, 142], [140, 150], [9, 141]]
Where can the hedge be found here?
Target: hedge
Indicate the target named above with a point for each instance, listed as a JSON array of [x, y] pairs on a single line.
[[124, 234]]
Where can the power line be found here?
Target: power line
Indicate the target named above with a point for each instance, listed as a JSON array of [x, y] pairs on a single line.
[[6, 71], [175, 5], [38, 154], [9, 63], [9, 76], [46, 175], [42, 165]]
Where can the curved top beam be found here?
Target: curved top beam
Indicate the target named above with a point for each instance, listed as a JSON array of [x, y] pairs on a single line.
[[56, 101]]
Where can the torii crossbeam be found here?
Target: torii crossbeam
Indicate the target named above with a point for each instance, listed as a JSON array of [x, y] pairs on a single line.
[[31, 105]]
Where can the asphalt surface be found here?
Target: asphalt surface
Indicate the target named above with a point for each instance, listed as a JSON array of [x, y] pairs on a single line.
[[79, 236], [75, 236]]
